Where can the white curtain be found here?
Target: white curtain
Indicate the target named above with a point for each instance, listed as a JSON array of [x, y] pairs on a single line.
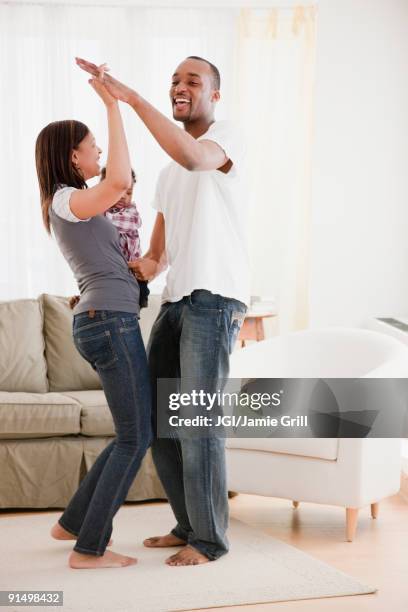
[[266, 64], [274, 100]]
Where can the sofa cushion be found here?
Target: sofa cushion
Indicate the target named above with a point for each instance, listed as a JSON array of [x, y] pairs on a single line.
[[96, 419], [38, 415], [66, 368], [22, 362], [318, 448]]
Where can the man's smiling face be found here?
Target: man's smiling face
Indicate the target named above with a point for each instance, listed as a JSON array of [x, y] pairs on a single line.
[[192, 92]]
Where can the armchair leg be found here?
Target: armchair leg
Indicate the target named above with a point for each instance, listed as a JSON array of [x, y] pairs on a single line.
[[351, 523], [295, 504], [374, 510]]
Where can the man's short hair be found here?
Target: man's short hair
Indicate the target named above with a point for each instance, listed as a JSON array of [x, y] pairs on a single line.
[[214, 70]]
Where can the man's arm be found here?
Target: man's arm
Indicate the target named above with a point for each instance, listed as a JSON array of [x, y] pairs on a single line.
[[154, 262], [190, 153]]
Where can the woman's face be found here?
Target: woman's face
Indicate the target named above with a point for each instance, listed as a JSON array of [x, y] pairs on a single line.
[[86, 157]]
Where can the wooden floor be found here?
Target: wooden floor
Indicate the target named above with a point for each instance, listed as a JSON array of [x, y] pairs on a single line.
[[378, 556]]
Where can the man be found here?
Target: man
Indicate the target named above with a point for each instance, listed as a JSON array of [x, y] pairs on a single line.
[[200, 230]]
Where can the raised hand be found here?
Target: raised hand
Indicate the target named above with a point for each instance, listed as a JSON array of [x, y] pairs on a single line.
[[118, 90], [87, 66], [98, 85]]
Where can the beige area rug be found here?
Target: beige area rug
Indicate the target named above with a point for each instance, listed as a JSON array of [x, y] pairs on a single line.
[[258, 568]]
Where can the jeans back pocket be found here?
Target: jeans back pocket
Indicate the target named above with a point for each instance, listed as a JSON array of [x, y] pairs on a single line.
[[97, 349]]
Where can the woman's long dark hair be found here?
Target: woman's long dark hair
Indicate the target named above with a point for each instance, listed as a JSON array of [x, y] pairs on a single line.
[[53, 153]]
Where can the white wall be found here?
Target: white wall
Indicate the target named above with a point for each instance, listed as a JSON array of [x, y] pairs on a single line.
[[360, 176]]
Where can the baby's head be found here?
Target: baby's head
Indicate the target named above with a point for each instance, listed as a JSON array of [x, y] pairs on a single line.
[[126, 199]]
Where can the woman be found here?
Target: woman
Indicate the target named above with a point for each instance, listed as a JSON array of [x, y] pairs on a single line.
[[105, 327]]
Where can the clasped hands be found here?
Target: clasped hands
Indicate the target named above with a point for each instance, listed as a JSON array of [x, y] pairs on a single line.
[[117, 89], [144, 268]]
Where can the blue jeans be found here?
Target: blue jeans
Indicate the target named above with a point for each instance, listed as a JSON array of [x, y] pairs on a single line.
[[112, 343], [192, 339]]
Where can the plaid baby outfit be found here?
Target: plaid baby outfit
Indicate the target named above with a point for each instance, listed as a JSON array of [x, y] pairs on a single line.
[[127, 220]]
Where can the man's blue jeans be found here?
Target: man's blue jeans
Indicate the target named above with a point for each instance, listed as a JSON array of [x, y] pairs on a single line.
[[192, 339], [112, 343]]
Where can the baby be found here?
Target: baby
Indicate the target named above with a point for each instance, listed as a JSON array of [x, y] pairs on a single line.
[[125, 216]]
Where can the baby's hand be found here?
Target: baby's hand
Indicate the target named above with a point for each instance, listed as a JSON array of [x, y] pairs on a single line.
[[73, 301]]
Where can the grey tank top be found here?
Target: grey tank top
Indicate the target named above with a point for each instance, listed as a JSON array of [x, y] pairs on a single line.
[[93, 253]]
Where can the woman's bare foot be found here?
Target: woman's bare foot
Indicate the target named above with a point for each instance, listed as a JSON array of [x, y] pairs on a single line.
[[187, 556], [59, 533], [109, 559], [164, 541]]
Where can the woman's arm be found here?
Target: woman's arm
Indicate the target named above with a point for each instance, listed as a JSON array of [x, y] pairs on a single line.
[[86, 203]]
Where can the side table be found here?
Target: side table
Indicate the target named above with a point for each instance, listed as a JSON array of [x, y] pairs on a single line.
[[253, 326]]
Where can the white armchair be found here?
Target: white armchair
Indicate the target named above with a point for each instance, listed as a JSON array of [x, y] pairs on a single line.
[[348, 472]]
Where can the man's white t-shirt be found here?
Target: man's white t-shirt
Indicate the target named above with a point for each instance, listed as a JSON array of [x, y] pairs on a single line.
[[205, 215]]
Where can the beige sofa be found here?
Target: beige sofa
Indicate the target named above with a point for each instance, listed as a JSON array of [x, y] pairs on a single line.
[[54, 420]]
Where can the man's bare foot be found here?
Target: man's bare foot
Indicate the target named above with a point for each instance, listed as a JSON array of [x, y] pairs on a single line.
[[109, 559], [59, 533], [164, 541], [187, 556]]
